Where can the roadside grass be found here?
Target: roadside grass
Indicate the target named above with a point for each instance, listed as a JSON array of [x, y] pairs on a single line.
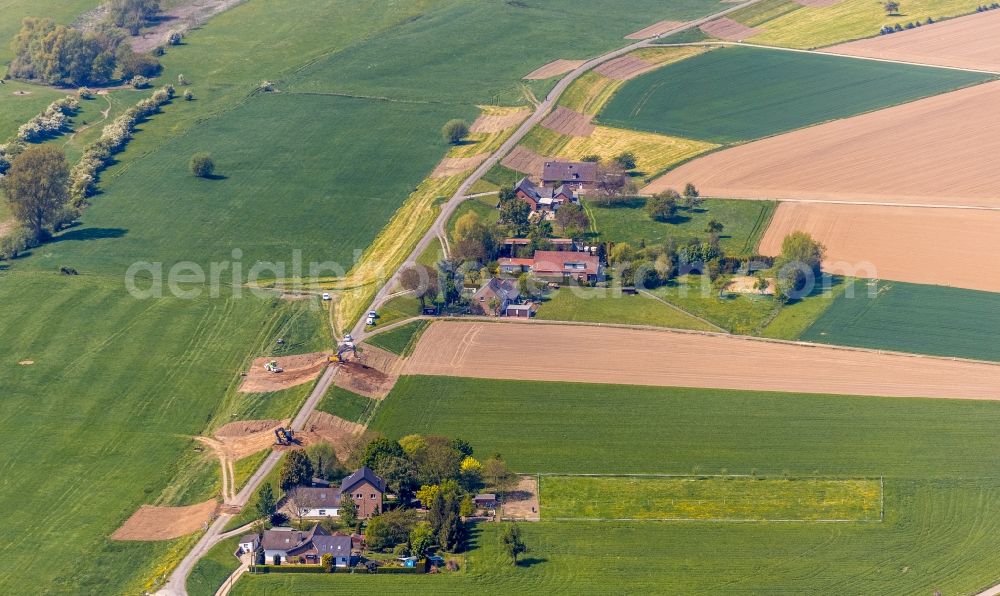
[[744, 221], [211, 571], [762, 12], [244, 468], [794, 318], [743, 314], [401, 340], [740, 93], [600, 305], [432, 254], [196, 478], [815, 27], [499, 176], [480, 143], [249, 512], [688, 36], [346, 404], [484, 207], [708, 498], [397, 309], [912, 318]]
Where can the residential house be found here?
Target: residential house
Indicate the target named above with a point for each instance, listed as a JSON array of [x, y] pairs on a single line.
[[248, 544], [576, 175], [495, 296], [287, 545], [544, 198], [521, 311], [552, 264], [363, 485]]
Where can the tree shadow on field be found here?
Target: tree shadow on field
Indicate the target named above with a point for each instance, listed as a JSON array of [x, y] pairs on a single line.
[[91, 234], [531, 561], [216, 177]]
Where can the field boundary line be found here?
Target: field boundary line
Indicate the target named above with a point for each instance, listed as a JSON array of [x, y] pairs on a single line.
[[649, 294], [790, 477], [725, 520]]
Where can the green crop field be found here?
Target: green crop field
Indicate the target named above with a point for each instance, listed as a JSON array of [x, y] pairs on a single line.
[[346, 404], [745, 498], [598, 305], [912, 318], [938, 488], [400, 340], [741, 93], [744, 221]]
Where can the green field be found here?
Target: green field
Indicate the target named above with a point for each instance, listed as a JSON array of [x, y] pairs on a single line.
[[744, 221], [742, 93], [745, 498], [938, 493], [912, 318], [599, 305], [746, 314], [346, 404], [401, 340], [213, 569]]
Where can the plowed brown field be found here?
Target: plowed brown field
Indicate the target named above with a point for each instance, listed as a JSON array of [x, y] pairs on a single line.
[[568, 122], [948, 247], [936, 151], [552, 69], [728, 29], [625, 68], [667, 358], [654, 30], [965, 42]]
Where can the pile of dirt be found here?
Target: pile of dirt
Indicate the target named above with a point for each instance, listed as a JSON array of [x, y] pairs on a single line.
[[568, 122], [243, 428], [26, 362], [327, 428], [451, 166], [728, 29], [525, 160], [625, 68], [744, 284], [298, 369], [490, 123], [552, 69], [654, 30], [373, 374], [165, 523]]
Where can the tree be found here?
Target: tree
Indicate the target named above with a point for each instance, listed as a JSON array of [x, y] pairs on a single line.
[[471, 472], [296, 470], [421, 539], [36, 187], [801, 257], [455, 130], [266, 503], [202, 165], [422, 281], [498, 475], [326, 562], [761, 284], [592, 158], [612, 181], [412, 444], [132, 15], [427, 494], [462, 446], [469, 225], [691, 191], [626, 160], [387, 530], [514, 215], [444, 516], [621, 253], [399, 473], [348, 510], [438, 460], [661, 206], [324, 461], [507, 193], [467, 507], [891, 8], [512, 543], [571, 216], [714, 227]]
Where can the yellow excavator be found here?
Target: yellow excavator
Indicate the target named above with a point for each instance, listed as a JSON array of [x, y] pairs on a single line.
[[342, 350]]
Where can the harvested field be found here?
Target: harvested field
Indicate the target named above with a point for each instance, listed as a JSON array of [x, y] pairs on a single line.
[[653, 152], [846, 161], [965, 42], [630, 356], [452, 166], [494, 119], [525, 160], [625, 68], [553, 69], [728, 29], [165, 523], [947, 247], [327, 428], [521, 504], [568, 122], [372, 374], [654, 30], [299, 369]]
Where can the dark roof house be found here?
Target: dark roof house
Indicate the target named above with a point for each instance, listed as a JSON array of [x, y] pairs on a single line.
[[544, 198], [504, 291], [363, 474], [578, 174]]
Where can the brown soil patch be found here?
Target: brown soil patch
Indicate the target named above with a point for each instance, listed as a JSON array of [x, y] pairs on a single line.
[[936, 151], [568, 122], [654, 30], [521, 504], [243, 428], [728, 29], [635, 356], [553, 69], [373, 374], [26, 362], [237, 440], [451, 166], [327, 428], [817, 3], [525, 160], [965, 42], [625, 68], [21, 93], [299, 369], [180, 18], [949, 247], [744, 284], [165, 523], [487, 123]]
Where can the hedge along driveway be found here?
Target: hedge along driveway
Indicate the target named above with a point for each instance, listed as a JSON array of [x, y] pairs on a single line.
[[742, 93]]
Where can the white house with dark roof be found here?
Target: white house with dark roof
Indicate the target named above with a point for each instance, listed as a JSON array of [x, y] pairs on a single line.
[[365, 487], [287, 545]]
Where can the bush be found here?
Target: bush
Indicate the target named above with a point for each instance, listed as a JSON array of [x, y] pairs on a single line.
[[140, 82], [84, 93], [188, 96], [51, 122], [175, 38], [182, 80], [202, 165], [15, 243], [455, 130]]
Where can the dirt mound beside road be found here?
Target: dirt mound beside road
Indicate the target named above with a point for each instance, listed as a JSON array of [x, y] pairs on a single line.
[[242, 428], [373, 374], [327, 428], [165, 523], [299, 369]]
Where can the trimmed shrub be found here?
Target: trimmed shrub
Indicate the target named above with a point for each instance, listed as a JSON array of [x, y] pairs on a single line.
[[202, 165]]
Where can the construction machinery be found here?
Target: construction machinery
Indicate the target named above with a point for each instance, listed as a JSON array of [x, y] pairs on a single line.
[[284, 436], [273, 367], [342, 350]]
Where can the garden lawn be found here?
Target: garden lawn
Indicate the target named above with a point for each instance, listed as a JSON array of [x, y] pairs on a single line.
[[797, 316], [742, 93], [746, 498], [484, 207], [600, 305], [346, 404], [912, 318], [211, 571], [745, 314], [744, 221], [397, 309], [400, 340]]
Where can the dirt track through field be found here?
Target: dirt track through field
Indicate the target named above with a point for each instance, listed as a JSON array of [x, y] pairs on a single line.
[[568, 122], [654, 30], [938, 151], [668, 358], [165, 523], [552, 69], [965, 42], [728, 29], [948, 247]]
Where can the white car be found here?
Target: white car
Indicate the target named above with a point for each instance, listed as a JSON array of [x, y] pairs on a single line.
[[326, 296], [371, 321], [372, 314], [348, 338]]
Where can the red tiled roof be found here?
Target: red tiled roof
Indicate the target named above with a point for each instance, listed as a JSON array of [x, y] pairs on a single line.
[[521, 262], [549, 262]]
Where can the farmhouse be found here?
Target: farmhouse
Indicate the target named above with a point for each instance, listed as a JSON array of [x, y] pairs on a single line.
[[286, 545], [495, 296], [365, 488], [579, 175], [554, 264], [544, 198]]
